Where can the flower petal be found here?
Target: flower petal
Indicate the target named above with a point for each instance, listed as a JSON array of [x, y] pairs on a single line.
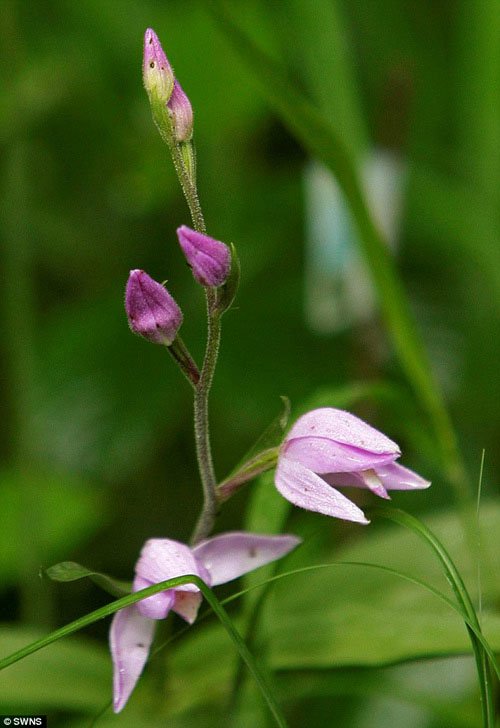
[[186, 604], [130, 638], [307, 490], [344, 428], [327, 456], [397, 477], [163, 558], [230, 555], [157, 606]]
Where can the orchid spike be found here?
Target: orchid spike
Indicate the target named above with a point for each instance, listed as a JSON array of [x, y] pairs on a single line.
[[151, 310], [209, 259], [329, 448], [216, 560]]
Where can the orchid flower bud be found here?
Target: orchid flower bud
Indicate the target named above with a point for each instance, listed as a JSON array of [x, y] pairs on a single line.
[[209, 259], [156, 70], [151, 310], [181, 113]]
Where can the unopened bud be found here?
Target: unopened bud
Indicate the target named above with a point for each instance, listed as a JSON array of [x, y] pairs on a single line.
[[151, 310], [181, 113], [156, 70], [209, 259]]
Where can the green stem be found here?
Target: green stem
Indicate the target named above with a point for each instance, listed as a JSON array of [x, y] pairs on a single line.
[[208, 514], [209, 511], [189, 188], [180, 353], [187, 181]]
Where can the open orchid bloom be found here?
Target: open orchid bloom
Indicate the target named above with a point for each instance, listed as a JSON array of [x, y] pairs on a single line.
[[329, 448], [216, 560]]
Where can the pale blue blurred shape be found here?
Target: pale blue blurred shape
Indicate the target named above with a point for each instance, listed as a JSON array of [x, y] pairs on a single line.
[[338, 288]]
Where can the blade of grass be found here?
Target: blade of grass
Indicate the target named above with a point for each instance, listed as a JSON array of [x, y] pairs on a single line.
[[478, 531], [265, 584], [130, 599], [463, 598], [321, 140], [387, 569], [338, 95]]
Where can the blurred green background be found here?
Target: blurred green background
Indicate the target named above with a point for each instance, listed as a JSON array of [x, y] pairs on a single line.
[[96, 437]]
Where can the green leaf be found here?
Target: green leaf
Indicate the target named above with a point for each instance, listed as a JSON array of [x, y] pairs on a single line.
[[273, 434], [71, 571]]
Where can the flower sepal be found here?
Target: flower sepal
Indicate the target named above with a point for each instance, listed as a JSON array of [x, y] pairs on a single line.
[[227, 292]]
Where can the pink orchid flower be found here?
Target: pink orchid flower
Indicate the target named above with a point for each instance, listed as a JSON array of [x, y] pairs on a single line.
[[329, 448], [216, 560]]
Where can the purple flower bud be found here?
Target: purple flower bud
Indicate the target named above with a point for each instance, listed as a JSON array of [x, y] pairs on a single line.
[[182, 114], [329, 448], [156, 70], [151, 310], [209, 259]]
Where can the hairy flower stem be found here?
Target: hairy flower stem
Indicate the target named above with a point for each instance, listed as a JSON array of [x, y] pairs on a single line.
[[187, 178], [179, 352], [208, 513], [188, 185]]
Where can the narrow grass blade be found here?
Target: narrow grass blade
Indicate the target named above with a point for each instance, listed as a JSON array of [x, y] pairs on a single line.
[[463, 598], [127, 601]]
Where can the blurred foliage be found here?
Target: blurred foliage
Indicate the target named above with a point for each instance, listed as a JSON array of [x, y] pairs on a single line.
[[96, 436]]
